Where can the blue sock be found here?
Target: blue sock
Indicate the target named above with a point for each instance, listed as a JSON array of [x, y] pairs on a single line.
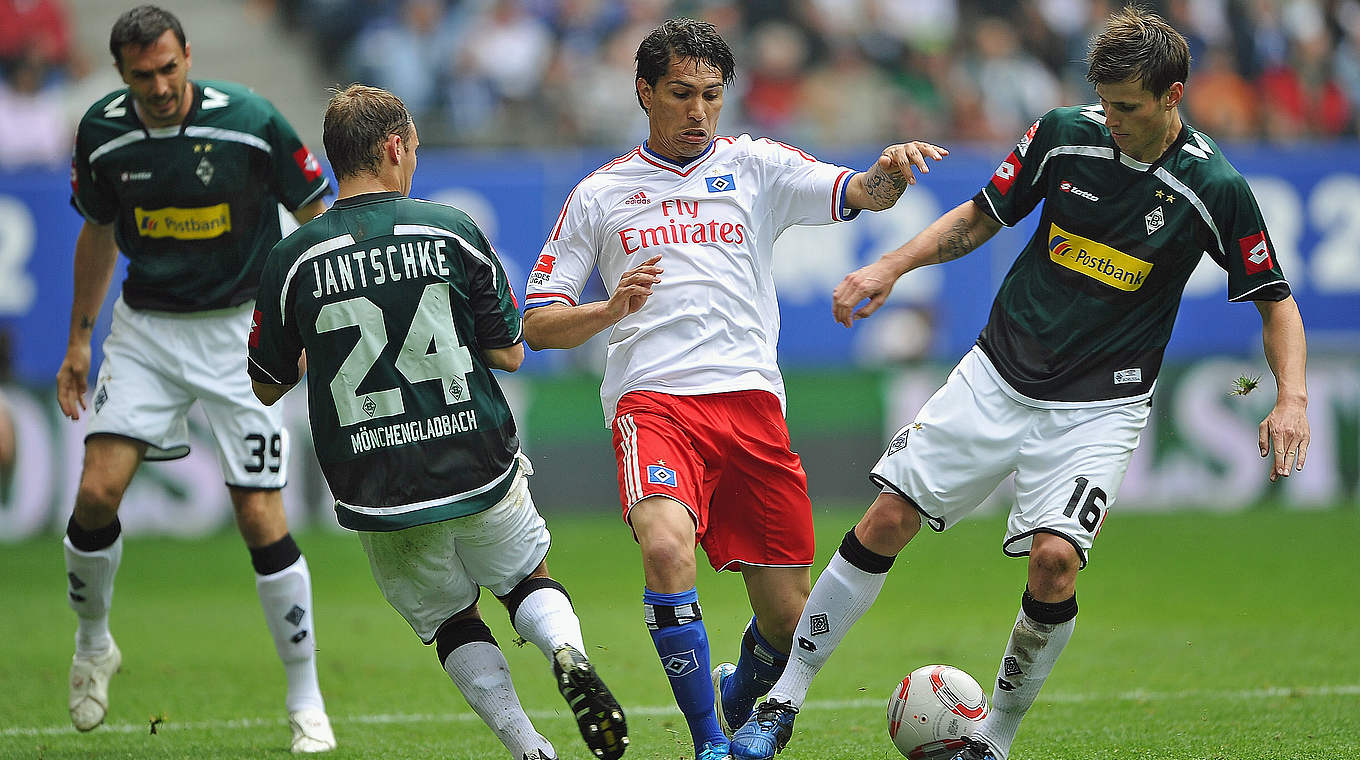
[[677, 629], [759, 668]]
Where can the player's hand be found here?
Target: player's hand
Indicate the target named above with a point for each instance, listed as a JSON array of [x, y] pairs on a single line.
[[1284, 431], [899, 160], [73, 380], [635, 287], [873, 282]]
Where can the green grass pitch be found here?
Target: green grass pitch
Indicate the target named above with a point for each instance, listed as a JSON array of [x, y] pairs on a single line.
[[1201, 635]]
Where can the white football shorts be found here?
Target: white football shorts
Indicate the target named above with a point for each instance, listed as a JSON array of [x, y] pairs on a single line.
[[430, 573], [1069, 459], [157, 364]]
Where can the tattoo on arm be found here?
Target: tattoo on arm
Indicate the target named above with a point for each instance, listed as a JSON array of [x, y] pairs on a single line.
[[884, 188], [86, 323], [957, 241]]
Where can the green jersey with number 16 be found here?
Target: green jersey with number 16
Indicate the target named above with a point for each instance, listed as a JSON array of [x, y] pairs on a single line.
[[1086, 311], [394, 300]]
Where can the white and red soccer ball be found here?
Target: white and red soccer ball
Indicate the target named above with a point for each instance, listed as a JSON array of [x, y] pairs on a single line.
[[932, 709]]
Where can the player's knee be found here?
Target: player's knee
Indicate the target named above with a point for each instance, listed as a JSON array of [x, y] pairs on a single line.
[[668, 557], [1053, 563], [96, 503], [890, 523]]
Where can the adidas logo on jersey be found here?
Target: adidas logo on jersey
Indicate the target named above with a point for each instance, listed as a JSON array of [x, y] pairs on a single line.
[[637, 199]]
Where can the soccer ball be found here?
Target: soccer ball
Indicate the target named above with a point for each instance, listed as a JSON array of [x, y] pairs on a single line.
[[932, 709]]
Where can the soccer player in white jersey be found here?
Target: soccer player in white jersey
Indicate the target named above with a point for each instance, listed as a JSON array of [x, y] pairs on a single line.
[[691, 387], [1058, 388]]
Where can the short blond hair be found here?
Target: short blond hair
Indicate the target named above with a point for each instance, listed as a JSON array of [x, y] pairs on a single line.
[[358, 120]]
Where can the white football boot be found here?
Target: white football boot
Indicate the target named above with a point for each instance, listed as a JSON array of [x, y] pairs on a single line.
[[89, 697], [311, 731]]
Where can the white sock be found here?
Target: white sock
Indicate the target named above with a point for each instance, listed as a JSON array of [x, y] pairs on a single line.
[[841, 595], [480, 672], [1032, 651], [89, 591], [546, 619], [286, 597]]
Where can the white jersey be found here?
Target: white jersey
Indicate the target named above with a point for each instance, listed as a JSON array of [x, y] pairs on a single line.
[[712, 323]]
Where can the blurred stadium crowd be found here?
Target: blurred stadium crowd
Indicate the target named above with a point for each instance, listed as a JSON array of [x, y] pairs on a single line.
[[815, 72]]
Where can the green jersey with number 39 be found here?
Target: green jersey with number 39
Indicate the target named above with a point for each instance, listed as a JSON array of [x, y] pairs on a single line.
[[394, 300], [1086, 311]]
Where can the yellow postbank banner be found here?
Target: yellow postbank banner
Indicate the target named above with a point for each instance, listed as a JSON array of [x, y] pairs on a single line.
[[1097, 260], [198, 223]]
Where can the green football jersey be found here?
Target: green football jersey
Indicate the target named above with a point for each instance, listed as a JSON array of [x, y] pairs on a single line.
[[1086, 311], [195, 206], [394, 300]]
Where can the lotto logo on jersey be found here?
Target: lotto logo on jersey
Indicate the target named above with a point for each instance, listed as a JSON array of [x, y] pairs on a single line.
[[1004, 176], [311, 168], [1255, 253], [201, 223], [255, 329]]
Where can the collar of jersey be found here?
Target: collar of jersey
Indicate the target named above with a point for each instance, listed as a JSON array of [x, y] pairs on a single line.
[[174, 130], [373, 197], [685, 169], [1170, 151]]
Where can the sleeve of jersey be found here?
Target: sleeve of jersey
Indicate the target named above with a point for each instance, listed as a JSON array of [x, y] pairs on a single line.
[[1016, 187], [1254, 272], [803, 190], [567, 259], [274, 346], [496, 316], [298, 177], [94, 199]]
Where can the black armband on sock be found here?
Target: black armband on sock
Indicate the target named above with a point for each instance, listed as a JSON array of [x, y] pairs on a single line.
[[1049, 613], [277, 556], [93, 540], [855, 553], [526, 587], [455, 633]]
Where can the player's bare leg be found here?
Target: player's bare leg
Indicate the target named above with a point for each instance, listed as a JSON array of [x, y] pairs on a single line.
[[1043, 627], [777, 596], [541, 611], [665, 533], [94, 547], [847, 587], [284, 585]]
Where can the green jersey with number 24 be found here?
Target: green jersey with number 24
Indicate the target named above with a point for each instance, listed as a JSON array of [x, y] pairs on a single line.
[[394, 299]]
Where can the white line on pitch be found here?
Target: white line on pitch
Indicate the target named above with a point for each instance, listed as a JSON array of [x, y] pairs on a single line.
[[1137, 695]]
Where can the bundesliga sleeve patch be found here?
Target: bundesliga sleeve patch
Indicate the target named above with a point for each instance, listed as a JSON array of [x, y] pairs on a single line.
[[542, 270], [1004, 176], [255, 329], [1255, 253], [311, 168]]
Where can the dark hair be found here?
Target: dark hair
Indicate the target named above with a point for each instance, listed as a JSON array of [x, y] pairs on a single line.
[[358, 120], [1137, 43], [140, 27], [683, 38]]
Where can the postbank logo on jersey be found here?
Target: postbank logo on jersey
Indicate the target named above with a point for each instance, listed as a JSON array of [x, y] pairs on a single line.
[[200, 223], [1096, 260]]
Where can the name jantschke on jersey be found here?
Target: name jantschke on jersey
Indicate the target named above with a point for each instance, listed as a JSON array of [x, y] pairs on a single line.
[[714, 221], [394, 299], [195, 205], [1086, 311]]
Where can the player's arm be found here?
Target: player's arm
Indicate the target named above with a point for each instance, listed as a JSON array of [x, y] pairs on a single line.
[[560, 326], [508, 358], [307, 213], [268, 393], [953, 235], [95, 258], [1285, 429], [883, 183]]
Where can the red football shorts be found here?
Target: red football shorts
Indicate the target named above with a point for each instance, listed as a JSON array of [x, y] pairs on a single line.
[[726, 458]]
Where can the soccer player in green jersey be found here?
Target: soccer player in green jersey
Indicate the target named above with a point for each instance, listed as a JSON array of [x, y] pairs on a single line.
[[403, 309], [185, 178], [1058, 388]]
